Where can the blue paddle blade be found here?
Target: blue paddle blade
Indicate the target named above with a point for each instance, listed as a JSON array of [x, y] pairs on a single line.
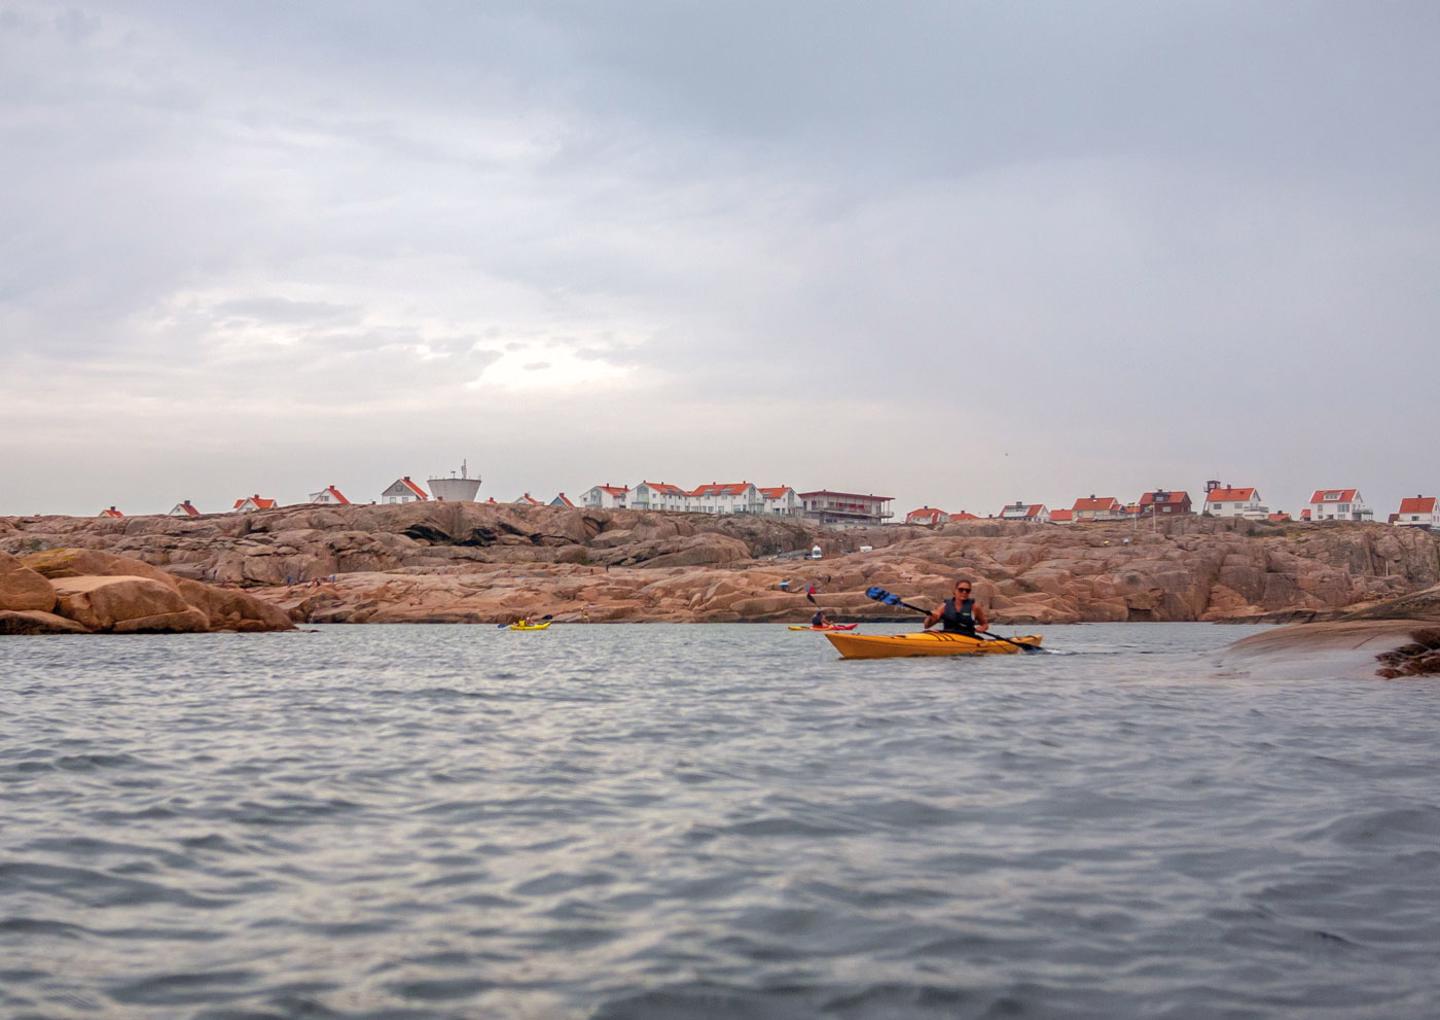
[[875, 593], [891, 600]]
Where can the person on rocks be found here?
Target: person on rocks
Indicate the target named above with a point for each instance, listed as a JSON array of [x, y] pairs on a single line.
[[960, 614]]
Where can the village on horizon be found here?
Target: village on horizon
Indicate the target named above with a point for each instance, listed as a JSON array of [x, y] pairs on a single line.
[[852, 509]]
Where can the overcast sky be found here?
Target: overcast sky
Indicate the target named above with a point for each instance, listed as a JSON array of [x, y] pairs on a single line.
[[956, 253]]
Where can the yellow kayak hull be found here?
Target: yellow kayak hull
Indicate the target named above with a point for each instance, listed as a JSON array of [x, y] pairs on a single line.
[[529, 626], [900, 646]]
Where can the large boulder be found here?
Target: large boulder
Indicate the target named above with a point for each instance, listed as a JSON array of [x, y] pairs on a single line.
[[127, 605], [61, 563], [226, 609], [22, 589]]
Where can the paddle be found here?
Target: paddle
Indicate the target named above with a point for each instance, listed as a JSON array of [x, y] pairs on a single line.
[[539, 619], [881, 595]]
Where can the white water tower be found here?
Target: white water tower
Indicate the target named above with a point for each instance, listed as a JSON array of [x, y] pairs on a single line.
[[455, 490]]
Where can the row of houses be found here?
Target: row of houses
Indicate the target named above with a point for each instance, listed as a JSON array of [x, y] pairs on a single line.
[[824, 505], [1244, 502]]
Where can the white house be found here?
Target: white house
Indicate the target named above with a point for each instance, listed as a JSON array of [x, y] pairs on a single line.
[[927, 516], [727, 498], [403, 490], [329, 496], [659, 496], [184, 509], [525, 499], [1419, 512], [606, 497], [781, 499], [252, 503], [1026, 513], [1232, 501], [1339, 505]]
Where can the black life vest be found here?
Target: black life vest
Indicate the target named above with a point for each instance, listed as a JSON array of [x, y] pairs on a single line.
[[959, 619], [818, 620]]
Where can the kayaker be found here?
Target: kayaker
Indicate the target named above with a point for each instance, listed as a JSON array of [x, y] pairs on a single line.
[[820, 619], [960, 614]]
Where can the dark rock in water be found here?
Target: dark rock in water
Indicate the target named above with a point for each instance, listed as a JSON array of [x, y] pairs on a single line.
[[35, 622]]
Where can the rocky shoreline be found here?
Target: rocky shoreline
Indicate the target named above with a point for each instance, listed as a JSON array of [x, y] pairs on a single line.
[[478, 563]]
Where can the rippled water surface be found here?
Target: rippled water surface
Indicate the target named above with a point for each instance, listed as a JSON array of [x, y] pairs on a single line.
[[706, 822]]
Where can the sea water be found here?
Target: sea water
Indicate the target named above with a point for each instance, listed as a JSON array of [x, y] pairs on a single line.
[[707, 822]]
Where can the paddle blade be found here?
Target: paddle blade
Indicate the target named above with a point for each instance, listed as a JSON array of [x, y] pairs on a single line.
[[875, 594]]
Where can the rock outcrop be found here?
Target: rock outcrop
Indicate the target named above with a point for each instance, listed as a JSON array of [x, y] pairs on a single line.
[[22, 589], [70, 591], [478, 562]]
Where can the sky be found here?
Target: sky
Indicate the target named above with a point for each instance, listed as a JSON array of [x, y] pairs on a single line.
[[956, 253]]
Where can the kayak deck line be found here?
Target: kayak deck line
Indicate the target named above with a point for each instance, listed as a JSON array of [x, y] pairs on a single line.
[[925, 643]]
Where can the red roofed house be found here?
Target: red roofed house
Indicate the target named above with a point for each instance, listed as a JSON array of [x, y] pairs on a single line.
[[927, 516], [1162, 502], [329, 496], [1026, 513], [1305, 514], [1279, 517], [110, 511], [727, 498], [562, 500], [1062, 516], [185, 509], [607, 496], [1098, 508], [525, 499], [1230, 501], [780, 499], [403, 490], [249, 503], [966, 515], [659, 496], [1419, 512], [1339, 505]]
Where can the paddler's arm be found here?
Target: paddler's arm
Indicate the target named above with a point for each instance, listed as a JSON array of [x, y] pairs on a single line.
[[933, 617], [982, 621]]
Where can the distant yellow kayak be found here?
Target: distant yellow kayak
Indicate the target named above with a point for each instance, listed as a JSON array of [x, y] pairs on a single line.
[[528, 626], [895, 646]]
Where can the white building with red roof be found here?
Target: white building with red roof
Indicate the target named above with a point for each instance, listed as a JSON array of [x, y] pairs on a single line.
[[185, 508], [329, 496], [1419, 512], [525, 499], [1098, 508], [1339, 505], [1060, 515], [1234, 501], [1026, 513], [606, 497], [780, 499], [249, 504], [966, 515], [563, 501], [927, 516], [403, 490], [726, 498], [659, 496], [110, 511]]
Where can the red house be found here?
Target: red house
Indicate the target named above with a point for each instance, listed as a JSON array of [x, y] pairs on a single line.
[[1162, 502]]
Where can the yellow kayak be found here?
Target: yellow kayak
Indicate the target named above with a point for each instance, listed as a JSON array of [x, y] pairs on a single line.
[[528, 626], [895, 646]]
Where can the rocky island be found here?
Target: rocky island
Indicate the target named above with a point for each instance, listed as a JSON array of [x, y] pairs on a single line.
[[484, 563]]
